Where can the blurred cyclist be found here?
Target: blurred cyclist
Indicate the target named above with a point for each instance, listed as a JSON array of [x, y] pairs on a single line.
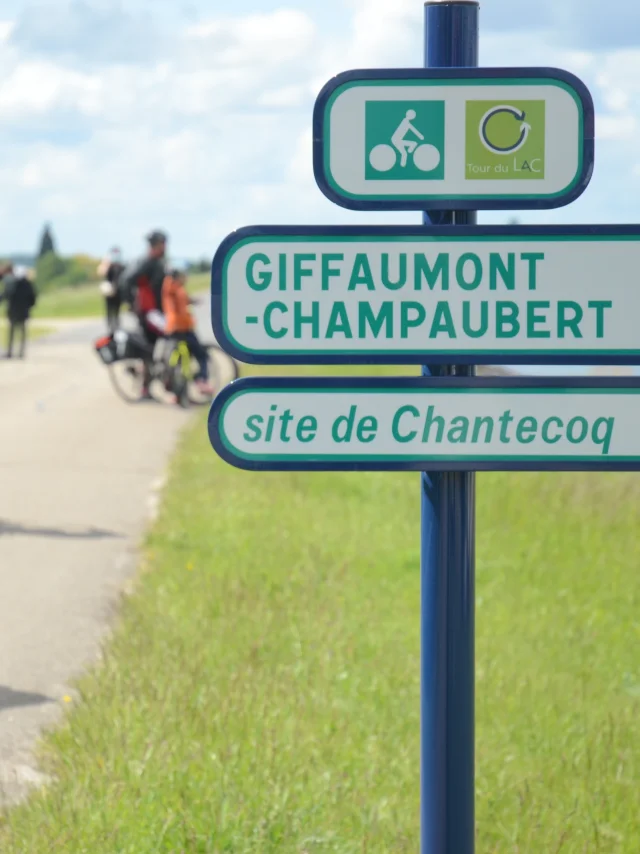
[[110, 270], [180, 325], [142, 286]]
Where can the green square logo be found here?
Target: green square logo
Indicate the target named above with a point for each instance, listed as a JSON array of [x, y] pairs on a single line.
[[404, 141], [505, 140]]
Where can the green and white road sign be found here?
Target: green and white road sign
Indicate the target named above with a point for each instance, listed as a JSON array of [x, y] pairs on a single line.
[[479, 294], [409, 424], [508, 138]]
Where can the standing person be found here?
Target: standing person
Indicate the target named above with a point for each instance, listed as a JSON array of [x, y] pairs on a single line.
[[181, 325], [142, 288], [110, 271], [20, 297], [6, 276]]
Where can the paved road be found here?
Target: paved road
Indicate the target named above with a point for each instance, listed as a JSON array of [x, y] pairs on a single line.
[[77, 472]]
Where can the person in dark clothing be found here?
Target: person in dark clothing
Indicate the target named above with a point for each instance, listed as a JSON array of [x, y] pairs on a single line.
[[142, 281], [20, 296], [142, 286], [110, 270]]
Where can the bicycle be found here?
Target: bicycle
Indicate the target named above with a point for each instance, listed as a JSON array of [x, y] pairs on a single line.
[[426, 158], [171, 367]]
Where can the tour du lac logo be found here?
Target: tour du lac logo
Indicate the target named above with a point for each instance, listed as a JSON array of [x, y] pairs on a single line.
[[404, 140], [505, 140]]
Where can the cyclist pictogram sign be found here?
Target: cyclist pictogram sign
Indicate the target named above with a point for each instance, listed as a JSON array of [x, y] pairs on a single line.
[[405, 140], [453, 139]]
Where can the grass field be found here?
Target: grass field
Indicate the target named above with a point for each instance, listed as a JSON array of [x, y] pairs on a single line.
[[261, 692], [86, 301], [83, 301]]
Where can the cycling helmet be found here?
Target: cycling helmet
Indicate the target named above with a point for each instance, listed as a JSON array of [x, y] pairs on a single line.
[[155, 238], [178, 269]]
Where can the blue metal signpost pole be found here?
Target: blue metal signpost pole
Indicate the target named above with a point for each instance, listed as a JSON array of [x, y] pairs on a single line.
[[448, 555]]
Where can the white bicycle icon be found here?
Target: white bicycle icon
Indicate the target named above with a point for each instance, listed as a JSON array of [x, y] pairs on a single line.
[[426, 157]]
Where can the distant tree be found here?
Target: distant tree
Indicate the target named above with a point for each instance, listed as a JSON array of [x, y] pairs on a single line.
[[202, 266], [48, 268], [54, 272], [47, 243]]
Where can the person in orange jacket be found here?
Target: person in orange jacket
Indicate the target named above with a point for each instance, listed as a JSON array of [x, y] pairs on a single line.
[[180, 325]]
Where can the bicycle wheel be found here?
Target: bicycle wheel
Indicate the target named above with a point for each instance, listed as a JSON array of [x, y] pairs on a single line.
[[226, 368], [180, 385], [127, 376], [426, 158], [177, 372], [222, 371], [383, 158]]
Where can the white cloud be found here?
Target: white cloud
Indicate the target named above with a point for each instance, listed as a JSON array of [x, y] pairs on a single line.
[[300, 170], [216, 132], [616, 127], [385, 33], [616, 99], [31, 175], [287, 96], [587, 24], [255, 40], [87, 32], [6, 29], [171, 140], [380, 35], [42, 87], [616, 78], [596, 25]]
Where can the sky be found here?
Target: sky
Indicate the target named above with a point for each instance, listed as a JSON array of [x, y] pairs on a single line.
[[195, 117]]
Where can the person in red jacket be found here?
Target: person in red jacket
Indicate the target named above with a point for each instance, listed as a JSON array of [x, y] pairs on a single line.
[[142, 286]]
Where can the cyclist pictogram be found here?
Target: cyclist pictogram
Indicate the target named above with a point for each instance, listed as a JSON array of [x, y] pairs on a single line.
[[426, 157], [404, 140]]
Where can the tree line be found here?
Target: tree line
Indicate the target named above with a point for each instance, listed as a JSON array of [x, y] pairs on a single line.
[[52, 270]]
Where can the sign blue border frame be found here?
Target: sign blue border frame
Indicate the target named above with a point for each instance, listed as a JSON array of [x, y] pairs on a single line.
[[397, 384], [471, 203], [416, 358]]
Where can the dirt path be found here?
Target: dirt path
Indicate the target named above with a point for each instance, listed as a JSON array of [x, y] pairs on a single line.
[[77, 470]]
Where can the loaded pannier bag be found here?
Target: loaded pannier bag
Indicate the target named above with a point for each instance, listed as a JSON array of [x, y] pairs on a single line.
[[121, 345], [106, 349]]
